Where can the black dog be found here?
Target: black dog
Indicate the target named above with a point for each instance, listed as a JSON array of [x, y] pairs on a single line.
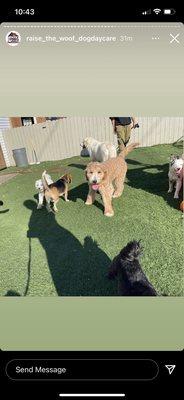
[[131, 279]]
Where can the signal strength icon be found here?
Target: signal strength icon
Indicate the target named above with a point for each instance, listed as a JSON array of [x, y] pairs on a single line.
[[157, 11], [148, 12]]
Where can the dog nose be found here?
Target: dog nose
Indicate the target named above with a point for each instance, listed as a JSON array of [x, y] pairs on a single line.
[[94, 181]]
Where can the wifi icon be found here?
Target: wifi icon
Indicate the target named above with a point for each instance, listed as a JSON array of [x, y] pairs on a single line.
[[157, 11]]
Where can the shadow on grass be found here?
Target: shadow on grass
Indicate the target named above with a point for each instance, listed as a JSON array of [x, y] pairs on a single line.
[[155, 183], [76, 269], [81, 192], [3, 211], [80, 166], [179, 144], [133, 162], [12, 293]]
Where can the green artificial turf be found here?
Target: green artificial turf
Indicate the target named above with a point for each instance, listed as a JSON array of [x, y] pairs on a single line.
[[68, 254]]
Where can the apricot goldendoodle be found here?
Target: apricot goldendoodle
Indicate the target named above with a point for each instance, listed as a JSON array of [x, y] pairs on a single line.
[[101, 177]]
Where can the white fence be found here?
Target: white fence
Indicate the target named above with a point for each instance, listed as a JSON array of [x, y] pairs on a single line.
[[61, 139]]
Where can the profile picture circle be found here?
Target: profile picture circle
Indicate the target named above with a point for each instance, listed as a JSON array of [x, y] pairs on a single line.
[[13, 38]]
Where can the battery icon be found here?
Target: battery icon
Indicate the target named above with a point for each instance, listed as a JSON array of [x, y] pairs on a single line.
[[169, 11]]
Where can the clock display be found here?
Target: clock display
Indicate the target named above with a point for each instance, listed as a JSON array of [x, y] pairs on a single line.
[[21, 11]]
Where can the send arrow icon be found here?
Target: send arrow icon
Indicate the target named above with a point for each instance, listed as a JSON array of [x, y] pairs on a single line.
[[170, 368]]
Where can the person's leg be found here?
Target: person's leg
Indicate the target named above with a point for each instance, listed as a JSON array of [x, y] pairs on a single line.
[[120, 137], [121, 144], [127, 133]]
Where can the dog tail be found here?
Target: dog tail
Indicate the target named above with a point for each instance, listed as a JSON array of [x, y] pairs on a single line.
[[128, 149], [44, 180]]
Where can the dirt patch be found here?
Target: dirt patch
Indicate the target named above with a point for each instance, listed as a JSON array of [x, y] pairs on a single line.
[[18, 171], [7, 177], [61, 169]]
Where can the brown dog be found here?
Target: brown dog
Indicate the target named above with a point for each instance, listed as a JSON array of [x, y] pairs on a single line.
[[55, 190], [101, 177]]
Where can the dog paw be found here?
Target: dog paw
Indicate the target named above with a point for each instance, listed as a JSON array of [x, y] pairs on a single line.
[[169, 191], [115, 195], [39, 206], [67, 200], [176, 196], [109, 214], [88, 204]]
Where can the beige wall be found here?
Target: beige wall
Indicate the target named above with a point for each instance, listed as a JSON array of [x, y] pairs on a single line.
[[61, 139], [81, 78]]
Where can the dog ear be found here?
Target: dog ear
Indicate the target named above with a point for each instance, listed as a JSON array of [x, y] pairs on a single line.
[[86, 174], [172, 158], [67, 178], [64, 177]]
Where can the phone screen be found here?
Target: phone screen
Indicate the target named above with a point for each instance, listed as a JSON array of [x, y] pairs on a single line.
[[91, 201]]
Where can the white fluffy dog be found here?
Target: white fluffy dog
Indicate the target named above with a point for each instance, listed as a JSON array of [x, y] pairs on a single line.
[[40, 187], [175, 174], [99, 151]]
